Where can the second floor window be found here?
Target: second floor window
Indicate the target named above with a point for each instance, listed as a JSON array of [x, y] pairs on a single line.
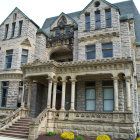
[[87, 21], [97, 20], [9, 54], [90, 52], [20, 27], [108, 17], [6, 31], [57, 32], [13, 29], [24, 57], [107, 50]]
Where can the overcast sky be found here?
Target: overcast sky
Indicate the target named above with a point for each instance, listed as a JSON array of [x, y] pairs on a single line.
[[39, 10]]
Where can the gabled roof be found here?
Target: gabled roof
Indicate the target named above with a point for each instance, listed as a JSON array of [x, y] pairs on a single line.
[[108, 3], [23, 15], [63, 14]]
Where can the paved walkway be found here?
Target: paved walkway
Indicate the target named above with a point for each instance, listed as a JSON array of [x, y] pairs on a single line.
[[10, 138]]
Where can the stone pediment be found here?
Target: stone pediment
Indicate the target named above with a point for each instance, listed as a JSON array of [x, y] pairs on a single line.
[[26, 42]]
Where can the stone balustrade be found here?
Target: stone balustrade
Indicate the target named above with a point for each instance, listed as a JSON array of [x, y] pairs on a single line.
[[94, 116], [6, 122], [5, 112]]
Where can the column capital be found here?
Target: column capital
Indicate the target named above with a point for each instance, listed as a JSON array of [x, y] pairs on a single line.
[[63, 81], [55, 81], [115, 78], [127, 78], [73, 80]]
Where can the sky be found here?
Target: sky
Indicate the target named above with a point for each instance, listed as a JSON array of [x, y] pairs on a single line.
[[39, 10]]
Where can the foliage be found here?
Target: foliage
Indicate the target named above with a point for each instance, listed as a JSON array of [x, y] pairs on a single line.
[[103, 137], [80, 138], [67, 136], [51, 133], [138, 138]]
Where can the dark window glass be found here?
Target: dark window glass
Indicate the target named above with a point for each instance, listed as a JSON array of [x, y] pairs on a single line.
[[9, 54], [107, 50], [87, 21], [57, 32], [67, 30], [20, 93], [90, 52], [6, 30], [20, 27], [4, 93], [97, 20], [13, 29], [108, 17], [24, 57]]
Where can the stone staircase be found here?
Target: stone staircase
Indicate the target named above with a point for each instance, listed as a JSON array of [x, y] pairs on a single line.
[[20, 129]]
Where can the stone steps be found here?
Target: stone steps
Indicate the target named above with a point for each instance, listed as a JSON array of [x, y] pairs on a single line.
[[20, 129]]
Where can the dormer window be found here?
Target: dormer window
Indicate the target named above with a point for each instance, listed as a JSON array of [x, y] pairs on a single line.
[[87, 21], [57, 32], [108, 17], [67, 30], [97, 20], [62, 22]]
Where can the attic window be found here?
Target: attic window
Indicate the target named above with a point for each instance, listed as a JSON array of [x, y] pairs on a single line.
[[97, 4], [15, 16], [62, 22]]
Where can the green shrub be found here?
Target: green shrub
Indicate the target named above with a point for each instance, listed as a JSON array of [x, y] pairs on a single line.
[[51, 133], [80, 138]]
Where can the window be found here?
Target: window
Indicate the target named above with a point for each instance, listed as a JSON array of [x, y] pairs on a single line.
[[9, 54], [20, 27], [97, 20], [6, 30], [4, 94], [67, 30], [108, 95], [90, 96], [108, 17], [57, 32], [90, 52], [97, 4], [107, 50], [13, 29], [87, 21], [15, 16], [24, 57], [20, 93]]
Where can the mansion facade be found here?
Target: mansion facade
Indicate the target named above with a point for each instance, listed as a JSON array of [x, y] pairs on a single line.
[[80, 72]]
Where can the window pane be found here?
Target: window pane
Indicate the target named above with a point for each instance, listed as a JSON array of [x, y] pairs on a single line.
[[91, 55], [108, 14], [6, 30], [107, 46], [8, 59], [90, 105], [108, 22], [87, 26], [8, 65], [107, 83], [108, 93], [57, 32], [98, 24], [90, 93], [90, 84], [20, 27], [87, 18], [97, 16], [24, 59], [13, 29], [107, 53], [21, 83], [5, 83], [67, 30], [90, 48], [9, 52], [25, 52], [108, 105]]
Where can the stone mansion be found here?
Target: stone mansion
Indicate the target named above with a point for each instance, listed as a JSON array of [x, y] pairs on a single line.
[[80, 72]]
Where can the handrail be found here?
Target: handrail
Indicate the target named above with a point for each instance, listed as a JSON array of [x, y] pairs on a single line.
[[6, 122]]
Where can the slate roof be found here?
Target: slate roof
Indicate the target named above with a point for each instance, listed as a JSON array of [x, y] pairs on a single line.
[[127, 9]]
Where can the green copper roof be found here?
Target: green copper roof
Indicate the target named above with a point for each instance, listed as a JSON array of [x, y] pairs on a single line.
[[23, 15], [137, 43], [43, 31], [112, 5]]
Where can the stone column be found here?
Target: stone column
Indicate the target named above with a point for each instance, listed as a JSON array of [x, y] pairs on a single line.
[[63, 94], [73, 94], [116, 102], [29, 94], [49, 93], [54, 94], [128, 93]]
